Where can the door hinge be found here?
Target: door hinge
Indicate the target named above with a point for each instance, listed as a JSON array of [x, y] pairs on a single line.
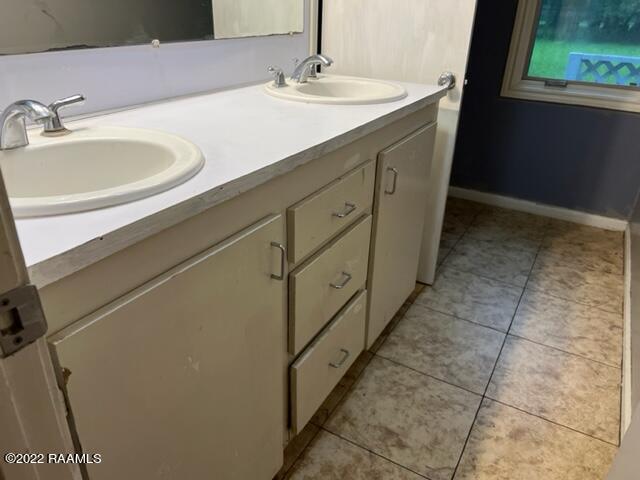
[[22, 319]]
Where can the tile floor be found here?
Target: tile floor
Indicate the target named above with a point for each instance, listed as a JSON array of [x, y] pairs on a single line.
[[507, 368]]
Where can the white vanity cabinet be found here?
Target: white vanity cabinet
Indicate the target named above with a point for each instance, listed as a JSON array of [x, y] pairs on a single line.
[[182, 378], [401, 201], [208, 368]]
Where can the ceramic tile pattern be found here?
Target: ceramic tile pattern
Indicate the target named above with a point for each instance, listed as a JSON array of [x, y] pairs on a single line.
[[581, 285], [507, 368], [563, 388], [407, 417], [332, 458], [468, 296], [569, 326], [507, 444], [492, 260], [456, 351]]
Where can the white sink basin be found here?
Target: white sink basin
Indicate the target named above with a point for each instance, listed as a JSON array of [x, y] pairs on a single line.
[[339, 90], [93, 168]]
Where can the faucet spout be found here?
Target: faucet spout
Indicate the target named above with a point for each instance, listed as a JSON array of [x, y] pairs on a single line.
[[13, 130], [306, 68]]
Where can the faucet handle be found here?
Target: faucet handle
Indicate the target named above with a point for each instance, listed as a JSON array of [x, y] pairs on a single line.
[[279, 80], [54, 124]]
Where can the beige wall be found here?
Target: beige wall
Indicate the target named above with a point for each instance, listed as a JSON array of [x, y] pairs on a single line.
[[247, 18], [413, 41], [410, 40]]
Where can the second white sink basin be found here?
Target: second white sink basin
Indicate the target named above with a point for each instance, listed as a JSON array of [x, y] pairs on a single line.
[[339, 90], [93, 168]]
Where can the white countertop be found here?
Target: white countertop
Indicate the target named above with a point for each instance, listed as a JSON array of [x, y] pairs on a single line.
[[247, 138]]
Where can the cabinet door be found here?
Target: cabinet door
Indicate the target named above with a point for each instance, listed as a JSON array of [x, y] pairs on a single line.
[[399, 212], [183, 378]]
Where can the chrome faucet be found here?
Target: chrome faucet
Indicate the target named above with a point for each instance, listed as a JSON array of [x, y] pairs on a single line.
[[53, 126], [279, 80], [307, 67], [13, 129]]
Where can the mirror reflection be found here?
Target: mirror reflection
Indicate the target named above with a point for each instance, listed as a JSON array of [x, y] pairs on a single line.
[[29, 26]]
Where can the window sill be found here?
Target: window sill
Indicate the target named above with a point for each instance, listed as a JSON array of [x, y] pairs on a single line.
[[583, 95]]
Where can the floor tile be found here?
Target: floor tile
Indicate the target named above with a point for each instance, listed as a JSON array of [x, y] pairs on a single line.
[[563, 388], [504, 237], [506, 444], [456, 351], [443, 253], [582, 258], [458, 216], [470, 297], [585, 247], [449, 240], [512, 230], [492, 260], [409, 418], [593, 288], [332, 458], [576, 234], [513, 218], [569, 326]]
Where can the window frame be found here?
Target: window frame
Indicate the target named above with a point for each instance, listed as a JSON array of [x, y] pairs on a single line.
[[517, 84]]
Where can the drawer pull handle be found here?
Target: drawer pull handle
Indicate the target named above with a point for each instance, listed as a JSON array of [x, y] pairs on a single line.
[[350, 208], [283, 254], [340, 286], [395, 180], [345, 355]]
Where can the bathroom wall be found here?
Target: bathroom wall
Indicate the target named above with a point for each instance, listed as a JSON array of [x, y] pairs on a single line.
[[122, 76], [413, 41], [579, 158]]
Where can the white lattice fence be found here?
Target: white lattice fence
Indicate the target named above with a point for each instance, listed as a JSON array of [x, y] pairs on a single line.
[[611, 69]]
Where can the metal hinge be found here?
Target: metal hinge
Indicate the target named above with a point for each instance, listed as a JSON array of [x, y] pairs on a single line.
[[22, 319]]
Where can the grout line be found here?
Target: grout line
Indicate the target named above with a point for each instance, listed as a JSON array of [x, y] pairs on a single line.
[[495, 365], [373, 452], [455, 244], [484, 277], [395, 362], [551, 421], [472, 322], [604, 364]]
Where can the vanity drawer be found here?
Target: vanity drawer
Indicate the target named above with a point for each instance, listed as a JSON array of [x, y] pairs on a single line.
[[318, 217], [323, 284], [324, 363]]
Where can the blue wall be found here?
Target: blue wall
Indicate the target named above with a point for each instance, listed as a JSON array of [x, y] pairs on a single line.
[[574, 157]]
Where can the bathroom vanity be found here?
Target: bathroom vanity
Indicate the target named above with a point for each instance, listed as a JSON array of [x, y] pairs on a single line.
[[195, 332]]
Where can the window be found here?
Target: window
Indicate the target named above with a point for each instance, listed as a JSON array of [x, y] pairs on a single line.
[[584, 52]]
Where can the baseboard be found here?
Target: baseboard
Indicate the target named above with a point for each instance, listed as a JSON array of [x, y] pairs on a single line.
[[626, 412], [559, 213]]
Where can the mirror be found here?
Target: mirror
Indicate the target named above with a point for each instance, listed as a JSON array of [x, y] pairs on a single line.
[[29, 26], [251, 18]]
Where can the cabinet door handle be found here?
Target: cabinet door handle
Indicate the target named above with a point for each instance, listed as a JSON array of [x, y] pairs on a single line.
[[345, 355], [349, 209], [340, 286], [395, 180], [283, 255]]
